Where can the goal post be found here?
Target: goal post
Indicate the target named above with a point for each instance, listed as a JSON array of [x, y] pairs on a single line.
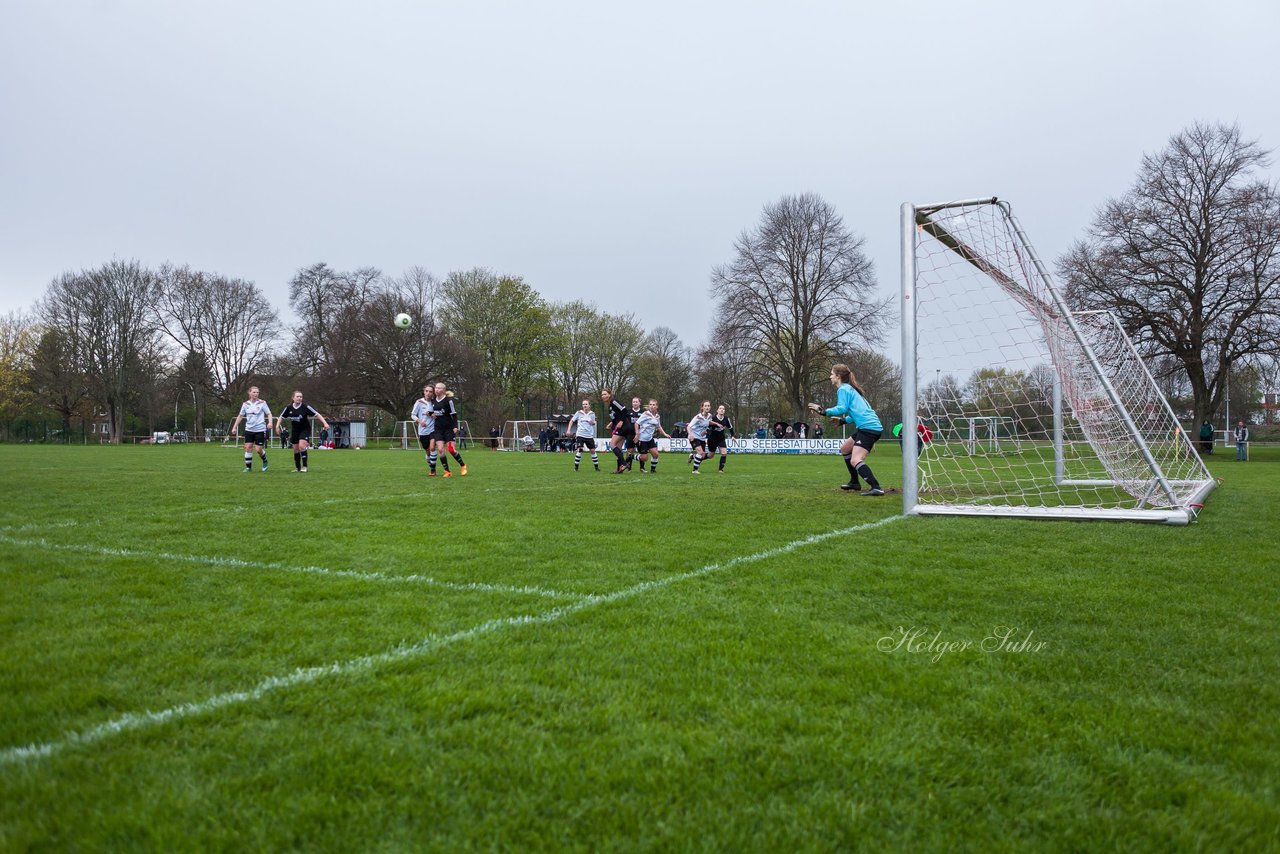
[[1090, 435]]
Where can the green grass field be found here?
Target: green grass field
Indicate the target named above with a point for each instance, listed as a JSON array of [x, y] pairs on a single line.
[[362, 658]]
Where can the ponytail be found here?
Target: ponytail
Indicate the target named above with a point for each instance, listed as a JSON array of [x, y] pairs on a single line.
[[846, 376]]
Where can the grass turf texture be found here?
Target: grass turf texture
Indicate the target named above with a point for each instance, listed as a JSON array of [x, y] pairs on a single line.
[[688, 701]]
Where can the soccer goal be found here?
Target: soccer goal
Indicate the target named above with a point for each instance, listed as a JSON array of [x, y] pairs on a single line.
[[1055, 412], [521, 435], [405, 436]]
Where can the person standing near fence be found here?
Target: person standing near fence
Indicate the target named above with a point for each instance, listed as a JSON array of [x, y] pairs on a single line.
[[257, 426], [1242, 442]]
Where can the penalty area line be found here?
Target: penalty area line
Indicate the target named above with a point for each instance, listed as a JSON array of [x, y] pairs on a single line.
[[237, 563], [134, 721]]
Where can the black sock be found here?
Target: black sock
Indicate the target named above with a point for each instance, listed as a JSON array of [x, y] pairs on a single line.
[[297, 459], [853, 472], [304, 459], [865, 471], [722, 459], [248, 460], [622, 461]]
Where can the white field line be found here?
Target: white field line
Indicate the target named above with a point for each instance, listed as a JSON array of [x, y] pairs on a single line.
[[38, 526], [304, 675], [237, 563]]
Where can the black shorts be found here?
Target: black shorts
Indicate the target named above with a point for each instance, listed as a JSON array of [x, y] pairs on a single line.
[[698, 443], [866, 438], [646, 447], [296, 436], [626, 431], [584, 442], [715, 443], [445, 435], [424, 441], [255, 437]]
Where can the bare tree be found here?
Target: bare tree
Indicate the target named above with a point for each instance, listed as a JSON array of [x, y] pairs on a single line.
[[391, 364], [1189, 258], [107, 318], [226, 327], [726, 374], [330, 306], [799, 290], [664, 369]]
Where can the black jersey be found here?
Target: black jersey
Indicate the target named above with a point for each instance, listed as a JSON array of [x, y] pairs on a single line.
[[299, 417], [717, 431], [619, 416], [446, 412]]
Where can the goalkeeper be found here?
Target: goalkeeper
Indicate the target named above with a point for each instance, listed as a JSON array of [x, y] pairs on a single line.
[[852, 408]]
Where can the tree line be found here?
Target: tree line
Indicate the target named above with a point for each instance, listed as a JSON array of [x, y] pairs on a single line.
[[1188, 258]]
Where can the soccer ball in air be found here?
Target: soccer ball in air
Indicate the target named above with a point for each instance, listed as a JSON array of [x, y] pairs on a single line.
[[403, 321]]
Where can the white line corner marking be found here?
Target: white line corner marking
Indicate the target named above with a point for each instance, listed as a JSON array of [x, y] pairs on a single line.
[[302, 676]]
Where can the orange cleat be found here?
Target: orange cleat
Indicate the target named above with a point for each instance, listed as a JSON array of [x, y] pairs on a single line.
[[448, 473], [463, 472]]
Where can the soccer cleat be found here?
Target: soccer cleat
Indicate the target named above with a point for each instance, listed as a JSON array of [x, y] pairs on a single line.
[[575, 467], [248, 468], [872, 492], [463, 472], [448, 473], [597, 468], [264, 468], [695, 471], [431, 474], [851, 487], [304, 468]]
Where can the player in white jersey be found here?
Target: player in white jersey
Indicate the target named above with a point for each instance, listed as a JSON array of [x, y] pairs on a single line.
[[423, 417], [257, 425], [582, 426], [698, 426], [647, 425]]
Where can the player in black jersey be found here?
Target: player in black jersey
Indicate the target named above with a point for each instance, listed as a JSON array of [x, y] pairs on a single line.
[[299, 416], [634, 412], [621, 430], [446, 412], [721, 427]]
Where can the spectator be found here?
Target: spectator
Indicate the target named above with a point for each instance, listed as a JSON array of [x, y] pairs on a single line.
[[1206, 437], [496, 435], [542, 439], [790, 432], [761, 431], [780, 430], [1242, 441], [818, 430]]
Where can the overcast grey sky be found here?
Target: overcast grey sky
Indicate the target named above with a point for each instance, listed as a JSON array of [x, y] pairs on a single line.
[[605, 151]]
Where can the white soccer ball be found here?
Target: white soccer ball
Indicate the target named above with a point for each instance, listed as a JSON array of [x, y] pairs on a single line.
[[403, 320]]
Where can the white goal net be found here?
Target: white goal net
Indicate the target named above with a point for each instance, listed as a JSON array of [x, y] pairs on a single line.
[[1036, 410]]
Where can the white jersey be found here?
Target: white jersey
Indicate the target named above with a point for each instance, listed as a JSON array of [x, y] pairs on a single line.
[[586, 424], [698, 425], [256, 414], [646, 425], [423, 417]]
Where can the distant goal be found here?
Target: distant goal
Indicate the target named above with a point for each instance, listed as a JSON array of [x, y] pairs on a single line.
[[1037, 411]]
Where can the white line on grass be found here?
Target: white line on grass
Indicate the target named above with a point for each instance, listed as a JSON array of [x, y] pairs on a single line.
[[304, 675], [237, 563], [38, 526]]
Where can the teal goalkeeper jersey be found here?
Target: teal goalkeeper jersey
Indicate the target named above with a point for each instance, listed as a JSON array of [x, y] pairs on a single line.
[[852, 408]]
